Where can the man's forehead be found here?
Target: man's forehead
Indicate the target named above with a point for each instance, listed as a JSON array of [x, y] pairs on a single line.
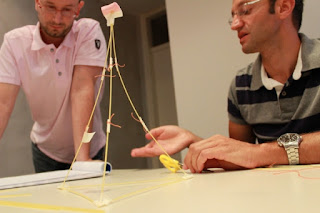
[[61, 2], [237, 3]]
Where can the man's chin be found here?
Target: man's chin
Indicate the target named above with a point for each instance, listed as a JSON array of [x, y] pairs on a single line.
[[56, 33], [247, 50]]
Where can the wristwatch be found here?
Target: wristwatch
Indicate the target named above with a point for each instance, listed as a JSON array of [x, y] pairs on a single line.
[[291, 142]]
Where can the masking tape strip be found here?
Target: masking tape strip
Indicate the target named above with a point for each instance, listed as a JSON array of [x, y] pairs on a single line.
[[103, 74], [87, 136], [13, 196], [108, 126], [47, 207], [143, 124], [110, 63]]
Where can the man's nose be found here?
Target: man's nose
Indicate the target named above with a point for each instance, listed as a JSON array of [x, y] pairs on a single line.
[[58, 16], [236, 22]]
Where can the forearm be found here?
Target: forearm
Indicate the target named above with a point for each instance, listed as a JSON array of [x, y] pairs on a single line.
[[271, 153], [309, 150], [192, 138], [8, 94], [4, 118], [82, 101]]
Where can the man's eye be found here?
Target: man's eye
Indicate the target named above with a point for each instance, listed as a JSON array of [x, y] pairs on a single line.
[[66, 10], [245, 11]]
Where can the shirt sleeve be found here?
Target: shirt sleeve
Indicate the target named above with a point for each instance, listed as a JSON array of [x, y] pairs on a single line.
[[234, 112], [8, 67], [91, 45]]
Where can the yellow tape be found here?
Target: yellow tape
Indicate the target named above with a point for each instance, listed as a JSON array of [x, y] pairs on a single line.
[[12, 196], [46, 207]]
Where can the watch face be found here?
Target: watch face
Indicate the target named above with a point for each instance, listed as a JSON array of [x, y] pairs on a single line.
[[294, 137], [289, 139], [285, 138]]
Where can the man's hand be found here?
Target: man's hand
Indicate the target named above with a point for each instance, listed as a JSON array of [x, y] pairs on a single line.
[[172, 138], [221, 152]]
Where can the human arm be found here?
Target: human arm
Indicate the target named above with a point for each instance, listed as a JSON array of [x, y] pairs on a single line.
[[82, 102], [172, 138], [236, 153], [8, 95]]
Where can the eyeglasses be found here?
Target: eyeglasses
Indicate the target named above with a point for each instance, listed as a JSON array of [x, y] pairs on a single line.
[[52, 10], [243, 10]]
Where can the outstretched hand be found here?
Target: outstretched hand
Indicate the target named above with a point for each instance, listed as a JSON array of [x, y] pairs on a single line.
[[172, 138]]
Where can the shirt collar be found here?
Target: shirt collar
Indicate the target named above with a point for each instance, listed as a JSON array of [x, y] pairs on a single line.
[[38, 43], [308, 59], [270, 83]]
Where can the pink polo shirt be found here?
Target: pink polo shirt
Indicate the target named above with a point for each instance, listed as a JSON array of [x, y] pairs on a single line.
[[45, 74]]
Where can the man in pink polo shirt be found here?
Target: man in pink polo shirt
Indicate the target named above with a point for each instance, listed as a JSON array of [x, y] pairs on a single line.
[[55, 62]]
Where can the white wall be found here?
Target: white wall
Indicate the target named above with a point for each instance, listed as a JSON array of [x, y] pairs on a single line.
[[205, 57], [15, 146]]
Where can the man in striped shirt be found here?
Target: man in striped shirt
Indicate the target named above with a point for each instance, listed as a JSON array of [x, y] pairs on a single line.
[[275, 95]]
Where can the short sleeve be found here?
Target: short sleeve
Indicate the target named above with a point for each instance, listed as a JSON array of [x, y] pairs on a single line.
[[91, 44], [8, 66]]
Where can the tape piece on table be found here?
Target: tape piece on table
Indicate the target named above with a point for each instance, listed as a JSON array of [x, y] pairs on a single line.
[[91, 166]]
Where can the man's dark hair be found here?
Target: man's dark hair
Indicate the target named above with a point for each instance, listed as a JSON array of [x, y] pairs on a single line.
[[296, 14]]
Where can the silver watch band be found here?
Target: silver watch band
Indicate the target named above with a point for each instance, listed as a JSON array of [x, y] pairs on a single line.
[[293, 155]]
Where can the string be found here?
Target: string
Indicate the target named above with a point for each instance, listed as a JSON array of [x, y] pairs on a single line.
[[118, 65], [299, 173], [139, 122], [104, 76], [283, 170], [109, 122]]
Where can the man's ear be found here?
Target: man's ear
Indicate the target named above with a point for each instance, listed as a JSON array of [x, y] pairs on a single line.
[[36, 5], [284, 8], [80, 5]]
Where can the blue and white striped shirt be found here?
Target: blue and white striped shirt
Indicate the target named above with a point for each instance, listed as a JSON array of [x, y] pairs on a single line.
[[296, 110]]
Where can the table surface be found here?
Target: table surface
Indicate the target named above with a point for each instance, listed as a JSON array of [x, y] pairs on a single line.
[[281, 189]]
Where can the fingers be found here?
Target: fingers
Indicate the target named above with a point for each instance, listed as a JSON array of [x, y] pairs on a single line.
[[199, 153], [219, 151], [156, 132], [142, 152], [150, 150]]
